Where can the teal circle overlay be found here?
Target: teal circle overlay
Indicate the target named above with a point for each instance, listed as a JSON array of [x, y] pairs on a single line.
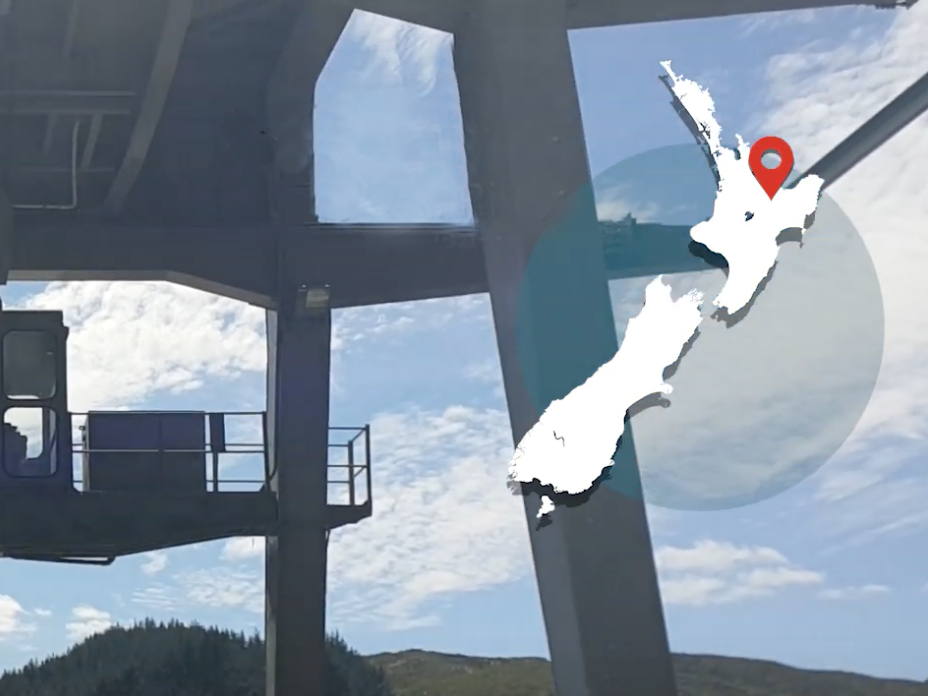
[[758, 405]]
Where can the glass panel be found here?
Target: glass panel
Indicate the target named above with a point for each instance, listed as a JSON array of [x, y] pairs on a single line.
[[29, 442], [29, 365]]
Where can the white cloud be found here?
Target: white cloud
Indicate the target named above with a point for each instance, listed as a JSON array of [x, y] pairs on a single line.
[[400, 46], [858, 592], [612, 208], [160, 597], [155, 563], [771, 21], [484, 371], [712, 572], [354, 327], [615, 202], [221, 588], [818, 97], [488, 373], [42, 613], [130, 340], [86, 621], [715, 557], [822, 98], [12, 616], [243, 548], [706, 573], [444, 520]]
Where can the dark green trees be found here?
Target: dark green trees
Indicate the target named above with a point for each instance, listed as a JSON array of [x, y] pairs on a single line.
[[172, 659]]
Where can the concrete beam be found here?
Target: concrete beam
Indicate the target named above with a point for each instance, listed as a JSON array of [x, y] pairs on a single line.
[[234, 262], [176, 21], [374, 264], [585, 14], [363, 264], [524, 139], [122, 523]]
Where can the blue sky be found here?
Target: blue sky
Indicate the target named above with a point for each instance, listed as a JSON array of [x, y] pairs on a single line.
[[828, 575]]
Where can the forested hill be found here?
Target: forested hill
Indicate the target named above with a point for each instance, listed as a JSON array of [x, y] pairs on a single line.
[[176, 660], [152, 659], [418, 672]]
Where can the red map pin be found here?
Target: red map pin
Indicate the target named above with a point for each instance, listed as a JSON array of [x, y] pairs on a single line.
[[770, 179]]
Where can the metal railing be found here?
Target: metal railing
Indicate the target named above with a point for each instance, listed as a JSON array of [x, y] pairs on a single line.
[[248, 437], [353, 468]]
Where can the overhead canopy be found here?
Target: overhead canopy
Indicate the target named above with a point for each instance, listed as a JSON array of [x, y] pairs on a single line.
[[585, 14]]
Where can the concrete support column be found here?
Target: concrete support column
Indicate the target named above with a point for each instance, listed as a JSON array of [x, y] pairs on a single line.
[[298, 420], [299, 345], [527, 159]]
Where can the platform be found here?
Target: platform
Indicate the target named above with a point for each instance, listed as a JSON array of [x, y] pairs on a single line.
[[53, 523]]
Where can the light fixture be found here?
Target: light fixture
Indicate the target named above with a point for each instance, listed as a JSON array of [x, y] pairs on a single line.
[[313, 300]]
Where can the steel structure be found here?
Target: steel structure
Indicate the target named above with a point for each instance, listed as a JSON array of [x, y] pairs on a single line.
[[171, 140]]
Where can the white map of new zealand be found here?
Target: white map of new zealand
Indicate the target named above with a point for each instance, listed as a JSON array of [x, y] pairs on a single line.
[[575, 438]]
